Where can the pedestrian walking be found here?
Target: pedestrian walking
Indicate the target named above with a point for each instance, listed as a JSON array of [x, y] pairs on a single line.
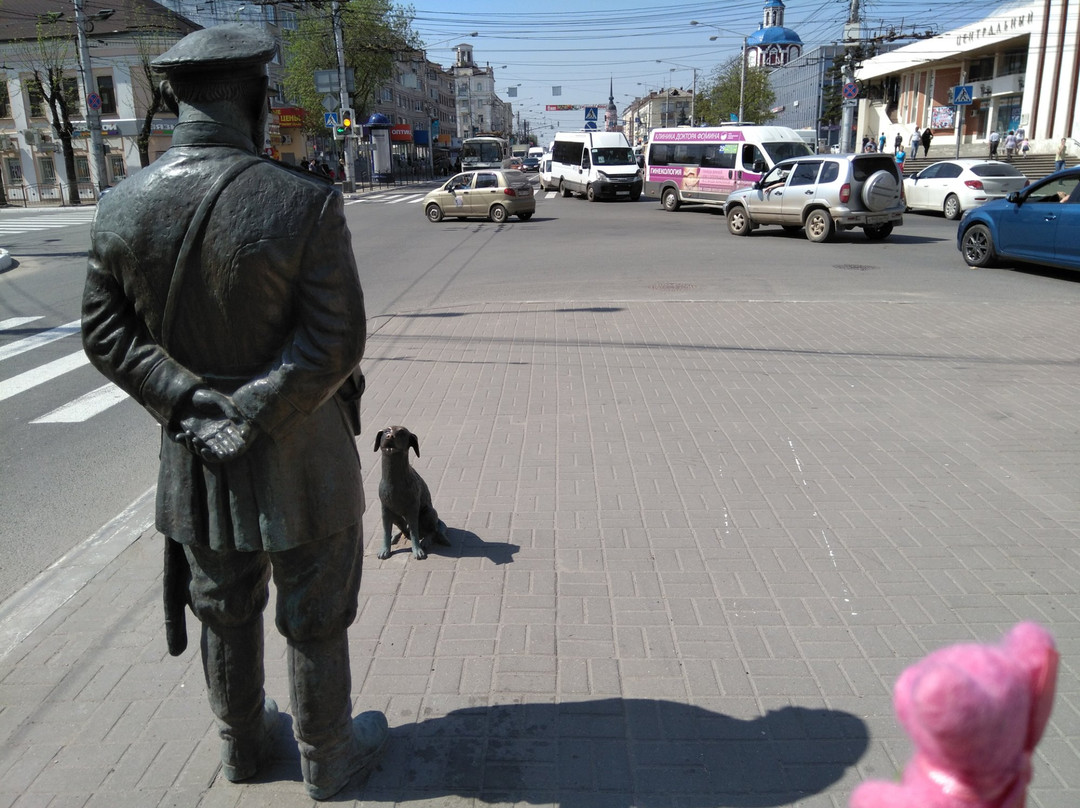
[[927, 136], [1025, 146], [222, 294], [1059, 156], [995, 139], [914, 144], [899, 156], [1010, 143], [898, 144], [881, 143]]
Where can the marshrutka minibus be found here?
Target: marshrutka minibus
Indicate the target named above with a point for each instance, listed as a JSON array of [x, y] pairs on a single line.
[[484, 151], [702, 165]]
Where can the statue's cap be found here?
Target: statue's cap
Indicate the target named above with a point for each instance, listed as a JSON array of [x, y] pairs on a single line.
[[233, 48]]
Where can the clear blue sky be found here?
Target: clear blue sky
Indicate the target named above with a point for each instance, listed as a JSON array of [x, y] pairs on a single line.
[[579, 45]]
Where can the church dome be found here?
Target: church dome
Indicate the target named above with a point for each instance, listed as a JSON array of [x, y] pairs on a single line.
[[773, 35]]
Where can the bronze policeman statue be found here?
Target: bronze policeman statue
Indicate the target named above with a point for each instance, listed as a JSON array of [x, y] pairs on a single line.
[[222, 294]]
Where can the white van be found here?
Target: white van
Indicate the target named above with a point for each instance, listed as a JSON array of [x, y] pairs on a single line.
[[688, 165], [595, 165], [536, 151]]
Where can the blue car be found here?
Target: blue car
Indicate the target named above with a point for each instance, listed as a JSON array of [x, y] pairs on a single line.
[[1038, 225]]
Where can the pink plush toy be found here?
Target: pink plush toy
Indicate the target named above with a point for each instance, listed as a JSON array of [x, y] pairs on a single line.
[[974, 714]]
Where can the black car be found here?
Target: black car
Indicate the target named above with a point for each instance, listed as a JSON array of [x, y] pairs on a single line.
[[531, 164]]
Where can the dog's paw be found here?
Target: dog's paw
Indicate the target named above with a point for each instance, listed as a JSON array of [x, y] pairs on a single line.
[[419, 554], [384, 553], [440, 534]]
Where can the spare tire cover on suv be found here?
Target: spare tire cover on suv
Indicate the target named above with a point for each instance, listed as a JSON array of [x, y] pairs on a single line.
[[881, 191]]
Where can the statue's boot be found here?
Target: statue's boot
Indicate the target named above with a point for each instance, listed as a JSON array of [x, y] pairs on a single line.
[[333, 746], [233, 666]]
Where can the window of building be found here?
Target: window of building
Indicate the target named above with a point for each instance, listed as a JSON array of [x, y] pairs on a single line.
[[82, 168], [117, 167], [1013, 62], [108, 94], [981, 69], [14, 170], [5, 100], [36, 98], [47, 170]]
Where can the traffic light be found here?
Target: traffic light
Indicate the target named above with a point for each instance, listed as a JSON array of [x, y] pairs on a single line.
[[345, 122]]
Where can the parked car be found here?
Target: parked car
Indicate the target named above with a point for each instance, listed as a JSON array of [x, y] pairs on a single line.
[[822, 194], [494, 194], [953, 186], [530, 164], [1037, 225]]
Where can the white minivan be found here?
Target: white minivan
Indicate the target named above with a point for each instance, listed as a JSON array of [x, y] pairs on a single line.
[[596, 165], [702, 165]]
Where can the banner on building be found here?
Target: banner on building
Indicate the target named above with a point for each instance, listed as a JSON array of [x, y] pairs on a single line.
[[943, 118], [401, 133]]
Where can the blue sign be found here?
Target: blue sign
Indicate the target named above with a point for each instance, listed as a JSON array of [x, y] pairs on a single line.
[[591, 113], [329, 119], [963, 94], [851, 90], [590, 126], [93, 101]]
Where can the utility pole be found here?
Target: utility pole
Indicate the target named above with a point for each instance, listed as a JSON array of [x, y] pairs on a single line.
[[343, 98], [93, 113], [852, 37]]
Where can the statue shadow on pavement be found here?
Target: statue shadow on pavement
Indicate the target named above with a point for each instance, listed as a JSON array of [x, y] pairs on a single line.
[[611, 753]]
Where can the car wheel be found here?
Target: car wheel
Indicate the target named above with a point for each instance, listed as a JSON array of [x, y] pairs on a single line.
[[818, 225], [977, 246], [434, 213], [670, 200], [590, 193], [738, 223], [497, 214], [566, 192], [952, 207], [876, 232], [524, 216]]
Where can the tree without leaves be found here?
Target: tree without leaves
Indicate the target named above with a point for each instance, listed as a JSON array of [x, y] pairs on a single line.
[[46, 57], [375, 33], [718, 101]]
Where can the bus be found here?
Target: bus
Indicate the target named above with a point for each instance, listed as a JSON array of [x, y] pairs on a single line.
[[484, 151], [701, 166]]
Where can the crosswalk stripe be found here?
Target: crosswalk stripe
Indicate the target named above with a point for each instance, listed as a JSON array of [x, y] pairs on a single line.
[[37, 340], [85, 406], [40, 375], [14, 322]]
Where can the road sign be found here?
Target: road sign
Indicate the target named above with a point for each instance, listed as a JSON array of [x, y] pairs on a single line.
[[851, 90], [330, 120], [963, 94], [330, 103], [591, 113], [93, 101], [590, 126]]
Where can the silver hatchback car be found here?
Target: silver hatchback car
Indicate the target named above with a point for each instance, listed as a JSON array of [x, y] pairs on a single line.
[[494, 194], [821, 194]]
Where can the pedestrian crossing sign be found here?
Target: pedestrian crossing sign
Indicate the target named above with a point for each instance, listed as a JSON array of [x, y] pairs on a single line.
[[591, 113], [330, 120], [963, 94]]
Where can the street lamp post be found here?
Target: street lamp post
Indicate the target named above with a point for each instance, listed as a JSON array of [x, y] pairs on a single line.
[[693, 98], [742, 75], [93, 113]]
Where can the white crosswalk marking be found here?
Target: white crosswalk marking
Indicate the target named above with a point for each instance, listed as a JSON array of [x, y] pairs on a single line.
[[16, 322], [84, 407], [40, 375], [36, 341], [31, 222]]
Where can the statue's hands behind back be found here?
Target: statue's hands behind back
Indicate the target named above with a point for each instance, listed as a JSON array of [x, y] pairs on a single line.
[[213, 428]]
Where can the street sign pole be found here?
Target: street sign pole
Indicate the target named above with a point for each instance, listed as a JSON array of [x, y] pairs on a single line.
[[343, 97]]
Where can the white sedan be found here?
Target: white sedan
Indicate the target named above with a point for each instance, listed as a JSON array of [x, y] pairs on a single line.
[[953, 186]]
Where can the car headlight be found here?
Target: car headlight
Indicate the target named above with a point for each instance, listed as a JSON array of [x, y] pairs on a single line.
[[601, 175]]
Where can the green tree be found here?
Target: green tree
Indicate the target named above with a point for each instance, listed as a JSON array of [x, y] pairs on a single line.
[[375, 33], [718, 100]]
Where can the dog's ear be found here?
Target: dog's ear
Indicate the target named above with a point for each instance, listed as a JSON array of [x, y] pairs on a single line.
[[379, 438], [414, 442]]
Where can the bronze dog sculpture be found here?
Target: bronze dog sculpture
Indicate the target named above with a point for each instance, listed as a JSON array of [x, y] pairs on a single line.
[[403, 494]]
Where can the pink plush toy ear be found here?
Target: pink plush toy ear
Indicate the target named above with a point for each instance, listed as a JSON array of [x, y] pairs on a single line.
[[1032, 647]]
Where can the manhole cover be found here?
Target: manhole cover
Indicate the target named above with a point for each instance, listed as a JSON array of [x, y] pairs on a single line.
[[671, 286], [855, 267]]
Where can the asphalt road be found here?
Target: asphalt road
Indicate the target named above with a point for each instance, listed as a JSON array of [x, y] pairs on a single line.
[[63, 480]]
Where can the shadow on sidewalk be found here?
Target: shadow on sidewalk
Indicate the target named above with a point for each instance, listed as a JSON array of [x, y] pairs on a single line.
[[463, 544], [617, 753]]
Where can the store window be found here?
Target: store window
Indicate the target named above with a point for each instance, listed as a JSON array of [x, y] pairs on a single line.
[[108, 95], [14, 170]]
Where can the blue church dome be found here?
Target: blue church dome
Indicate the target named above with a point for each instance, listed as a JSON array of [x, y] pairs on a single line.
[[773, 35]]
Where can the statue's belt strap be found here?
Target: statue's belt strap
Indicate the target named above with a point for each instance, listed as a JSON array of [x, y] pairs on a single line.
[[193, 238]]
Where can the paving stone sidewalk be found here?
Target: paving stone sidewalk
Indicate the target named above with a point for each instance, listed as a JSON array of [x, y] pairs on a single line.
[[693, 546]]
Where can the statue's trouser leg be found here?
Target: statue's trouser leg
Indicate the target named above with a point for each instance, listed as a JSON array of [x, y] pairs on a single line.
[[228, 594], [318, 584]]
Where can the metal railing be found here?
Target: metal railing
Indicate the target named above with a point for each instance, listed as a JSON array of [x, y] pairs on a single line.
[[47, 194]]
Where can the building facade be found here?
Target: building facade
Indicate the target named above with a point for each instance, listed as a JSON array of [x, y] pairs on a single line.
[[419, 100], [479, 109], [803, 88], [1021, 62], [121, 40]]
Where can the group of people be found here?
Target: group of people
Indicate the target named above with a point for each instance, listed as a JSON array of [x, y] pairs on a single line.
[[1015, 142], [918, 138], [323, 169]]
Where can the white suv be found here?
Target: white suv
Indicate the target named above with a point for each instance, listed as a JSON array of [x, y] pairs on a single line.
[[821, 194]]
